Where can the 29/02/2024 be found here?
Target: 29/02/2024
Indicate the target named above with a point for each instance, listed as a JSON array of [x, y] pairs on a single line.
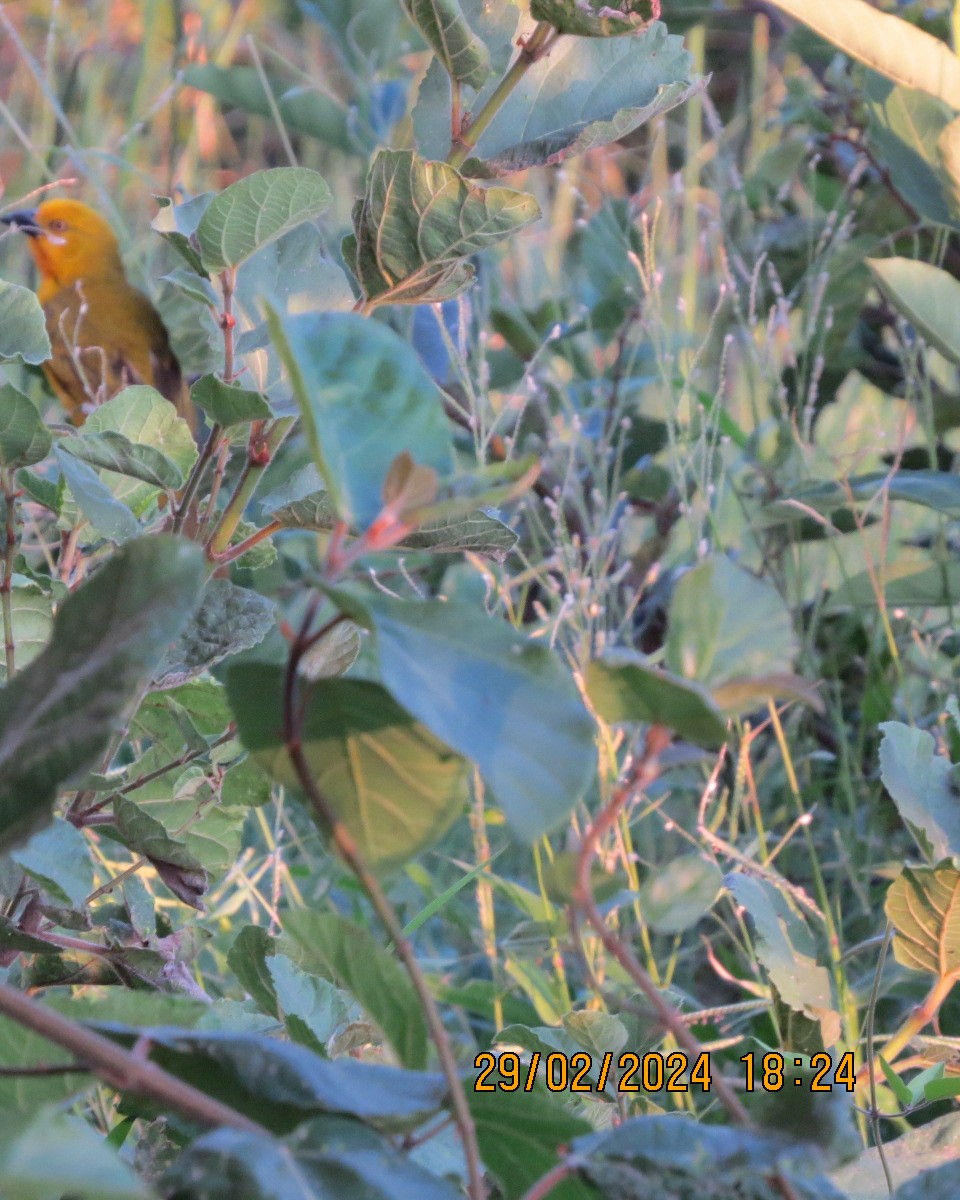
[[655, 1072]]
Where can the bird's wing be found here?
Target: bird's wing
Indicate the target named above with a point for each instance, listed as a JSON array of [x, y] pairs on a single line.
[[106, 336]]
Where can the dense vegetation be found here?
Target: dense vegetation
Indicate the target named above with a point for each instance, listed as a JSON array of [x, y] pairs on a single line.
[[511, 756]]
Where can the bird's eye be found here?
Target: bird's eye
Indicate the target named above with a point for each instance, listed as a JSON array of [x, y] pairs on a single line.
[[57, 226]]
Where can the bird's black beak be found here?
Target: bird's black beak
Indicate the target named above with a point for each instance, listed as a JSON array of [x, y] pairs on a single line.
[[25, 220]]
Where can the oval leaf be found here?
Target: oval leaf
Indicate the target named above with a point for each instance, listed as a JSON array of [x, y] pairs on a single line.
[[255, 211]]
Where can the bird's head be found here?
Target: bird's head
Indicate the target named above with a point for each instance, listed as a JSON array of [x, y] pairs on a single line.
[[69, 241]]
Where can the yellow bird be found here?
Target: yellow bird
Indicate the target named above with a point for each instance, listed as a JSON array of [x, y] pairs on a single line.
[[105, 334]]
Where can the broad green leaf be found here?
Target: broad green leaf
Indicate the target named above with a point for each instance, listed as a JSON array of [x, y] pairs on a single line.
[[938, 490], [396, 787], [478, 532], [51, 1153], [333, 654], [905, 584], [256, 210], [352, 958], [177, 225], [906, 127], [521, 1137], [674, 1154], [144, 417], [939, 1183], [498, 698], [364, 397], [325, 1159], [923, 785], [586, 18], [313, 1009], [585, 93], [306, 110], [675, 897], [927, 296], [917, 1151], [227, 403], [419, 221], [174, 863], [599, 1032], [24, 439], [48, 492], [58, 858], [623, 689], [23, 327], [280, 1084], [108, 515], [785, 947], [31, 610], [886, 43], [725, 624], [247, 959], [923, 905], [58, 714], [316, 512], [227, 620], [117, 453], [948, 145], [462, 53]]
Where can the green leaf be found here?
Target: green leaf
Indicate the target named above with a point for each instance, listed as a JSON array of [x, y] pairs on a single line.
[[58, 714], [313, 1008], [117, 453], [31, 610], [478, 532], [585, 93], [624, 689], [785, 947], [894, 47], [325, 1159], [306, 110], [23, 327], [923, 785], [144, 417], [247, 959], [521, 1136], [417, 223], [928, 297], [591, 19], [24, 439], [464, 56], [227, 403], [598, 1032], [493, 695], [394, 785], [909, 1158], [177, 225], [677, 1155], [109, 516], [279, 1084], [725, 624], [51, 1153], [675, 897], [58, 858], [923, 905], [933, 489], [897, 1086], [48, 492], [333, 654], [906, 126], [257, 210], [174, 863], [351, 958], [364, 397], [228, 619]]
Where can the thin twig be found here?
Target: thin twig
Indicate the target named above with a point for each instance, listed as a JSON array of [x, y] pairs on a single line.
[[121, 1069]]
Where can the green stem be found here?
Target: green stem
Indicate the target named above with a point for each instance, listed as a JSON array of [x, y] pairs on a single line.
[[536, 45], [10, 498], [246, 485]]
